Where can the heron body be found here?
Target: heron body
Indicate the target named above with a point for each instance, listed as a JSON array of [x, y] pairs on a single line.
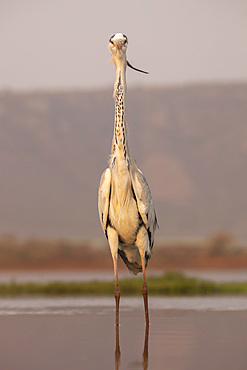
[[125, 204]]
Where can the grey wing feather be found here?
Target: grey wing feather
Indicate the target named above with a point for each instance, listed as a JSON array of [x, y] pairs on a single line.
[[144, 203], [104, 197]]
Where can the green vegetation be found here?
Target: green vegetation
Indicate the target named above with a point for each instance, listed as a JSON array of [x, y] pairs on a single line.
[[170, 284]]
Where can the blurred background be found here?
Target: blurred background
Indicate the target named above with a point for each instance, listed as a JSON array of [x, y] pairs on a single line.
[[187, 128]]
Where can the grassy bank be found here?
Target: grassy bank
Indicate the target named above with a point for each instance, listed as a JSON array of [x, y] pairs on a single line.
[[170, 284]]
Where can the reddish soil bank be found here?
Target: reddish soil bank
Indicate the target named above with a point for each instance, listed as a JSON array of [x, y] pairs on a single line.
[[221, 251], [199, 262]]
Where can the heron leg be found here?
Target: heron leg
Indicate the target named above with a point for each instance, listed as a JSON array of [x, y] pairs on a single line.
[[142, 243], [145, 289], [113, 242], [117, 290]]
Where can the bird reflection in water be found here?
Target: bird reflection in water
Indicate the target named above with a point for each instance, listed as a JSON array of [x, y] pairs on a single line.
[[117, 350], [145, 349]]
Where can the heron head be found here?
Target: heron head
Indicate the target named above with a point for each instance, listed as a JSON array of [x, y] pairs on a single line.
[[118, 45]]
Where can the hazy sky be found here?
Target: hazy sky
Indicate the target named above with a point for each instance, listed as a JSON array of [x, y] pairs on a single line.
[[61, 43]]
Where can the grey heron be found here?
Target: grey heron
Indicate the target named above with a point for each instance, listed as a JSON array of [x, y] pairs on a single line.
[[125, 204]]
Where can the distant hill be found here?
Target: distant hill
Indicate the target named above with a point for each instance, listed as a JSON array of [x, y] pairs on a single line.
[[190, 142]]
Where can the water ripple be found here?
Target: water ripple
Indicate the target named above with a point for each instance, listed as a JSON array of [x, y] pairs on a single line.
[[102, 306]]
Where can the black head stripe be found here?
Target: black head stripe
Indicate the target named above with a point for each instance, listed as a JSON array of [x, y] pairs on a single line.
[[111, 37], [136, 69]]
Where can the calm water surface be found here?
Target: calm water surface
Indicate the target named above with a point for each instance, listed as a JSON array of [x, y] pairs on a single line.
[[79, 333]]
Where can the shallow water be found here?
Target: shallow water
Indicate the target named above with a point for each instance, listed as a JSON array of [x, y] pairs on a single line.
[[79, 333]]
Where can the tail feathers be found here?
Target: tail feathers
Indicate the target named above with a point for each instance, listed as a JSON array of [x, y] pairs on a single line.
[[134, 266]]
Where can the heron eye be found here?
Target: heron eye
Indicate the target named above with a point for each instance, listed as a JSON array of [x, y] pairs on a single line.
[[125, 42], [111, 41]]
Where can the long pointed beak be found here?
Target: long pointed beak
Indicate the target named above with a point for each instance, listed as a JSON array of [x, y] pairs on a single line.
[[118, 44]]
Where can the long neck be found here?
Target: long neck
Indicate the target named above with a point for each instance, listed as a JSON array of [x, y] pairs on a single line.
[[120, 160], [120, 64], [120, 149]]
